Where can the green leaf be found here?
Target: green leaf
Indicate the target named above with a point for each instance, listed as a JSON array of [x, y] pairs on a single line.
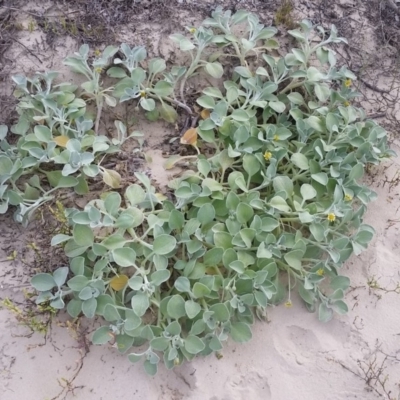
[[110, 313], [307, 295], [159, 344], [293, 258], [116, 72], [244, 213], [72, 249], [283, 183], [132, 321], [164, 244], [325, 314], [83, 235], [356, 172], [307, 192], [212, 184], [244, 72], [77, 283], [102, 335], [43, 282], [114, 241], [140, 303], [340, 307], [176, 307], [147, 104], [89, 307], [215, 69], [206, 102], [221, 312], [240, 115], [280, 204], [240, 332], [158, 277], [135, 194], [134, 358], [43, 133], [296, 98], [263, 252], [206, 214], [112, 178], [251, 164], [200, 290], [124, 256], [168, 113], [150, 368], [156, 65], [213, 256], [192, 308], [6, 165], [163, 88], [340, 282], [193, 344], [321, 178], [300, 161], [277, 106], [74, 307], [237, 266], [182, 284]]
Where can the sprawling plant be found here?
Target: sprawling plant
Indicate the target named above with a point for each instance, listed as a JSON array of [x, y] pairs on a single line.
[[270, 204]]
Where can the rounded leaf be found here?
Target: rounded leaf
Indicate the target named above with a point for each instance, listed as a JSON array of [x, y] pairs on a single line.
[[240, 332], [43, 282], [194, 345], [124, 256], [164, 244]]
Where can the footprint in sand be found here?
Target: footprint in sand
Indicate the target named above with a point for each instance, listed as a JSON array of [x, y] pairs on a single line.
[[251, 385]]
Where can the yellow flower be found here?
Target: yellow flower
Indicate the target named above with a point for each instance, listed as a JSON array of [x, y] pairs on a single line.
[[288, 304], [267, 155], [347, 83], [97, 53], [331, 217], [276, 138], [346, 103], [347, 197], [192, 30], [98, 70], [142, 93], [321, 272]]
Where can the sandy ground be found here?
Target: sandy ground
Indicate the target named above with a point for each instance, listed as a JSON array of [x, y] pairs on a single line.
[[293, 356]]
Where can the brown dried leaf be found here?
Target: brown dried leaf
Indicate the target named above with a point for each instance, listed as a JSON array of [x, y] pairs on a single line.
[[61, 140], [119, 282], [190, 137], [205, 114]]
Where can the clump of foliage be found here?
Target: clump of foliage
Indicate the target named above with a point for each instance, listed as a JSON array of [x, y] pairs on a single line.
[[275, 206]]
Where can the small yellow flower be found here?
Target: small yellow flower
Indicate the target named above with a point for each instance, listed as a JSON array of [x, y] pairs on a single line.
[[288, 304], [142, 93], [321, 272], [347, 83], [192, 30], [98, 70], [331, 217], [276, 138], [346, 103], [97, 53], [347, 197], [267, 155]]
